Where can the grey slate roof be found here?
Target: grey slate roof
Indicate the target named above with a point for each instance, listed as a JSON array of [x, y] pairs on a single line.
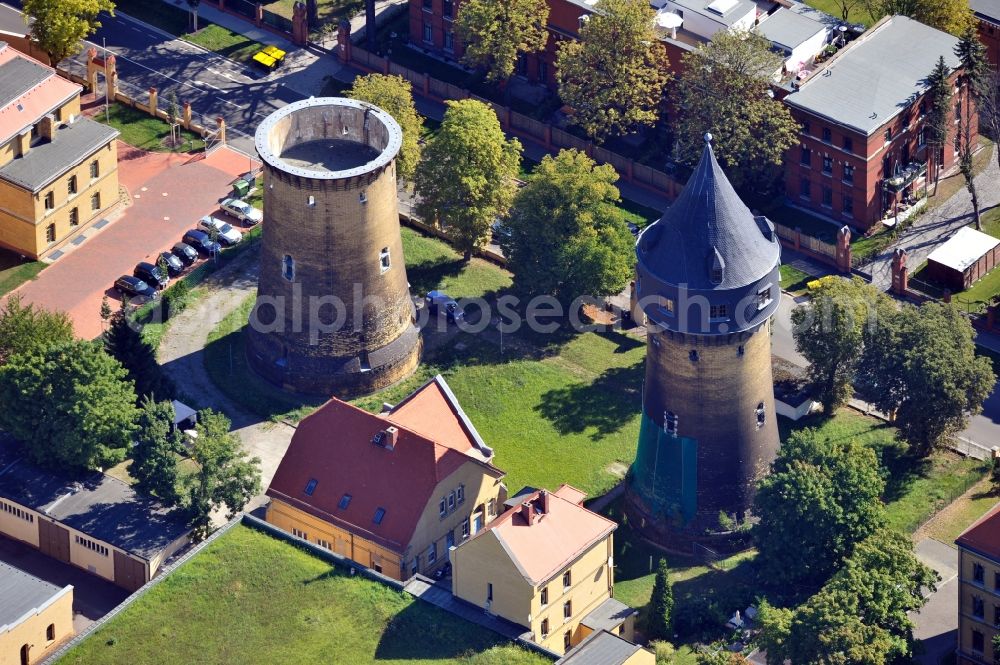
[[12, 21], [789, 29], [708, 219], [877, 76], [600, 648], [738, 11], [608, 615], [100, 506], [48, 160], [22, 593], [987, 8], [18, 76]]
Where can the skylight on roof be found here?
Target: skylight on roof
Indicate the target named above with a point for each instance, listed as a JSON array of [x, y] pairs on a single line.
[[720, 7], [379, 514], [311, 487], [345, 501]]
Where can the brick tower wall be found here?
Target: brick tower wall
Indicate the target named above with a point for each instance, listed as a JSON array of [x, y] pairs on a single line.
[[715, 399], [336, 240]]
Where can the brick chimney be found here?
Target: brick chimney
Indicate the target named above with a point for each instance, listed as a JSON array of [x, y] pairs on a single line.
[[391, 436], [528, 512], [24, 143], [543, 502], [47, 127]]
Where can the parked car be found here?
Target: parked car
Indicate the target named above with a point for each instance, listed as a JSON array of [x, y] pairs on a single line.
[[242, 211], [150, 274], [201, 242], [128, 285], [227, 234], [500, 231], [185, 252], [441, 302], [174, 265]]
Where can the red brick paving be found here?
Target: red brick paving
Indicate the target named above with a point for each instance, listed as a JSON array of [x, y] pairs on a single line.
[[193, 185]]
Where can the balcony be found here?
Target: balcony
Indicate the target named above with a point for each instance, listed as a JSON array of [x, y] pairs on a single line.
[[904, 177]]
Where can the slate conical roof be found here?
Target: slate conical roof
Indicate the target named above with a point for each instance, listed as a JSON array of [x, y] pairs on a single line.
[[708, 239]]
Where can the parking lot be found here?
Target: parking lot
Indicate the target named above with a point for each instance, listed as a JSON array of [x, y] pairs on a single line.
[[169, 193]]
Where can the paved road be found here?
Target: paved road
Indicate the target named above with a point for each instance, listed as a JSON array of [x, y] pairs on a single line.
[[936, 624]]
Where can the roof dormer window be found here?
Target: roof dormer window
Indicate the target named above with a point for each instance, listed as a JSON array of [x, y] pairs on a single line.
[[718, 268]]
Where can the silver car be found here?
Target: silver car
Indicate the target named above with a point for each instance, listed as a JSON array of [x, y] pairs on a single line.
[[242, 211], [227, 234]]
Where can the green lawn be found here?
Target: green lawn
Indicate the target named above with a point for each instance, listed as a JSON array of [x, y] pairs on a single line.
[[433, 264], [327, 10], [833, 7], [793, 279], [250, 598], [964, 513], [14, 270], [143, 131], [225, 42]]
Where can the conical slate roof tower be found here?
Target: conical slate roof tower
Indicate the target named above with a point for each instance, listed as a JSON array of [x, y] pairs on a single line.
[[707, 283]]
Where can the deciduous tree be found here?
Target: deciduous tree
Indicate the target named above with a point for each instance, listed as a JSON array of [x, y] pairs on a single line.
[[614, 76], [923, 368], [822, 497], [952, 16], [124, 342], [394, 95], [566, 237], [724, 89], [466, 177], [831, 333], [226, 476], [661, 603], [60, 25], [26, 327], [70, 405], [496, 32], [154, 455]]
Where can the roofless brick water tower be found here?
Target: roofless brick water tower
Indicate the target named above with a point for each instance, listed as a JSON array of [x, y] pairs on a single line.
[[333, 314], [707, 281]]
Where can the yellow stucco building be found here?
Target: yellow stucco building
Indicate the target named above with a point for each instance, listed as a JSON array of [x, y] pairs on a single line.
[[35, 616], [58, 170], [94, 522], [546, 564], [979, 590], [393, 492]]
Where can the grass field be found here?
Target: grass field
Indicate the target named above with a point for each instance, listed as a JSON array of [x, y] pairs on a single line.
[[250, 598], [858, 13], [793, 279], [15, 271], [225, 42], [326, 10], [961, 514], [143, 131]]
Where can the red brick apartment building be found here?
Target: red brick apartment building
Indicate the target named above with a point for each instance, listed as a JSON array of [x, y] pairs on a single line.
[[431, 26], [862, 146], [988, 15]]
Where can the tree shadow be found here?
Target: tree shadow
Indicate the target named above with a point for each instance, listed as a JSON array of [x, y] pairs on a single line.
[[605, 404], [427, 275], [423, 632]]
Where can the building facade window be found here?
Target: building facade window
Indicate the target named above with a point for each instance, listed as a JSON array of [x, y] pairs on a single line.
[[567, 580], [718, 311], [449, 41], [442, 508], [849, 174], [978, 607], [805, 189], [95, 201], [92, 545], [298, 533], [568, 610], [670, 422], [74, 217], [544, 596], [543, 71], [95, 169], [428, 33], [806, 127], [460, 494], [806, 158], [71, 185], [17, 512], [922, 137], [465, 529], [432, 553], [288, 268], [848, 144], [50, 632], [760, 414], [429, 5], [978, 643], [827, 135], [383, 259], [451, 502], [544, 629], [888, 134], [50, 201], [693, 355], [827, 165], [567, 640], [827, 196], [50, 233], [848, 205], [447, 8], [978, 573]]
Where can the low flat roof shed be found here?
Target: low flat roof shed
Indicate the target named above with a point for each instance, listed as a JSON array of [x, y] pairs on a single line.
[[964, 259]]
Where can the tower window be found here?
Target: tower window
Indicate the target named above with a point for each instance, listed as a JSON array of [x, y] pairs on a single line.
[[288, 267], [740, 350], [760, 414], [363, 197], [384, 260], [693, 355], [718, 312], [311, 201], [716, 275], [764, 297], [670, 422]]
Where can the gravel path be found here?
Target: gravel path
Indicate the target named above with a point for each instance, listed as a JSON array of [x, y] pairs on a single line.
[[181, 354], [933, 228]]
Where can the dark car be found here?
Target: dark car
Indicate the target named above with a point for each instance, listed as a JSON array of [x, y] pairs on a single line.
[[127, 285], [201, 242], [174, 264], [150, 274], [440, 302], [185, 252]]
